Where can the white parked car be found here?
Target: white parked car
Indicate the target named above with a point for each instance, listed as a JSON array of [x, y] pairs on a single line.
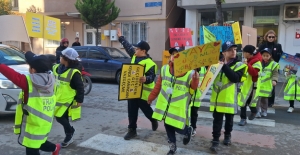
[[9, 92]]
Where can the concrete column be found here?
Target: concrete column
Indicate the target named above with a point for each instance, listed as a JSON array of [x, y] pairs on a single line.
[[191, 21], [248, 16]]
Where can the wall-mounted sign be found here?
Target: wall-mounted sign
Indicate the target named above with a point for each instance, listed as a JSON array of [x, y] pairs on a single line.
[[297, 35], [153, 4]]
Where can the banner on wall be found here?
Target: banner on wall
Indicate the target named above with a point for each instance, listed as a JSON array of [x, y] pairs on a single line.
[[35, 24], [40, 26], [209, 78], [222, 33], [237, 33], [208, 36], [180, 37], [198, 56], [297, 35], [52, 28], [130, 86]]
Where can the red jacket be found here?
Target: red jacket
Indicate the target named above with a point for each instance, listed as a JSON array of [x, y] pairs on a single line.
[[155, 92], [17, 78], [254, 71]]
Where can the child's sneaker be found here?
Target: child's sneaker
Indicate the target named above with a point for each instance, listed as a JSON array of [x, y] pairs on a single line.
[[264, 114], [258, 115], [290, 110], [173, 149], [56, 152], [187, 138], [69, 139], [194, 132]]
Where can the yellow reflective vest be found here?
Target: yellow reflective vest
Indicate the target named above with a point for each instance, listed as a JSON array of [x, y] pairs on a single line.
[[292, 89], [65, 94], [266, 85], [196, 97], [173, 100], [147, 88], [224, 93], [33, 121], [248, 87]]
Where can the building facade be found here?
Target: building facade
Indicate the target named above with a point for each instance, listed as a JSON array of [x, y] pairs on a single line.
[[138, 20], [263, 15]]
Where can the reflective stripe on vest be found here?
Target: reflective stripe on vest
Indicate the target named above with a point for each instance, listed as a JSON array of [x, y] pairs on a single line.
[[224, 92], [266, 79], [64, 93], [291, 87], [175, 111], [248, 87], [36, 123], [147, 88]]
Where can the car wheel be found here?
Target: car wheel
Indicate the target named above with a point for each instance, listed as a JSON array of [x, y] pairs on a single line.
[[87, 84], [118, 75]]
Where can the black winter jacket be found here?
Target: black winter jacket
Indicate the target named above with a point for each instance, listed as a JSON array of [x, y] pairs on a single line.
[[275, 48], [233, 76], [58, 52]]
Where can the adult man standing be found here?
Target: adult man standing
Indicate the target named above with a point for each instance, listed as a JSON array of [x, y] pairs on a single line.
[[76, 43]]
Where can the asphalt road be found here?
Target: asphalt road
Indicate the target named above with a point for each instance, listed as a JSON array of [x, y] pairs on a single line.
[[104, 122]]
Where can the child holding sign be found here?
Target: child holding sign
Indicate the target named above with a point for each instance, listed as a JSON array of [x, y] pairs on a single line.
[[291, 90], [139, 55], [173, 101]]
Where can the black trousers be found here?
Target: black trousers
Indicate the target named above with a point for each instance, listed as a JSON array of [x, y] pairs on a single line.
[[218, 123], [64, 121], [194, 116], [171, 132], [47, 147], [133, 109], [244, 109], [272, 98]]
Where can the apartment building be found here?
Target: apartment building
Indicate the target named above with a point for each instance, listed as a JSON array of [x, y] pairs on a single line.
[[146, 20], [282, 16]]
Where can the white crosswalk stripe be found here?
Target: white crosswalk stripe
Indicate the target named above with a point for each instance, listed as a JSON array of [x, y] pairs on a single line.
[[260, 121], [117, 145]]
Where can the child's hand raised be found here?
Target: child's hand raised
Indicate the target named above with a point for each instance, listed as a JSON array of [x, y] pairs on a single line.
[[119, 32]]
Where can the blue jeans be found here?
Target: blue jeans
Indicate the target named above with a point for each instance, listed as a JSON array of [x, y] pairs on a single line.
[[171, 132]]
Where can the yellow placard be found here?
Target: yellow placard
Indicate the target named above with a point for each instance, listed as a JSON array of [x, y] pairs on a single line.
[[130, 86], [165, 57], [237, 33], [196, 57], [208, 36], [52, 28], [34, 24]]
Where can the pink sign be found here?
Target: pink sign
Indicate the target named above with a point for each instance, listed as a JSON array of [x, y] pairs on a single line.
[[180, 37]]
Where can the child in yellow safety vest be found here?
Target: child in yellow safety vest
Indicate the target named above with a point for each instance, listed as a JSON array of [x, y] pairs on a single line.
[[34, 111], [173, 101], [195, 101], [268, 79], [292, 89], [69, 92]]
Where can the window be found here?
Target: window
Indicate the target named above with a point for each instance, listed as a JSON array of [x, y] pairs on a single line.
[[115, 53], [15, 3], [82, 53], [208, 18], [93, 54], [135, 31]]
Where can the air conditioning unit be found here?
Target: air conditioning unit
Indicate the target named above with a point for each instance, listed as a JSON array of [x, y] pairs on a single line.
[[291, 12]]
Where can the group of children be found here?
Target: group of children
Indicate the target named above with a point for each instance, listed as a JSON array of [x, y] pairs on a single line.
[[238, 84], [46, 94]]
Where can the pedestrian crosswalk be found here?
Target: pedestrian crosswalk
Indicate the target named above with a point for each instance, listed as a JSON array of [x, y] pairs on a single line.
[[206, 114], [117, 145]]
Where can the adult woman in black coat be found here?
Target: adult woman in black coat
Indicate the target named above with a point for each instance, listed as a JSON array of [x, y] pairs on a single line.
[[276, 49]]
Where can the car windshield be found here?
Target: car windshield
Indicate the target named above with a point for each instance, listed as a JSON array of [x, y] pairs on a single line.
[[116, 54], [9, 56]]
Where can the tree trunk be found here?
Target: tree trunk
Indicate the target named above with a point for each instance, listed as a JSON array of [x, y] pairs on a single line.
[[97, 38], [219, 12]]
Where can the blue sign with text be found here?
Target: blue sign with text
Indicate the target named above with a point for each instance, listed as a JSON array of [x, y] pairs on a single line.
[[153, 4]]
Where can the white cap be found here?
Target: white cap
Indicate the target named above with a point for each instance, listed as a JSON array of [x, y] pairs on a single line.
[[70, 53]]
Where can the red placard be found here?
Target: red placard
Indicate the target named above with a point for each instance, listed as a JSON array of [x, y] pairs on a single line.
[[180, 37]]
